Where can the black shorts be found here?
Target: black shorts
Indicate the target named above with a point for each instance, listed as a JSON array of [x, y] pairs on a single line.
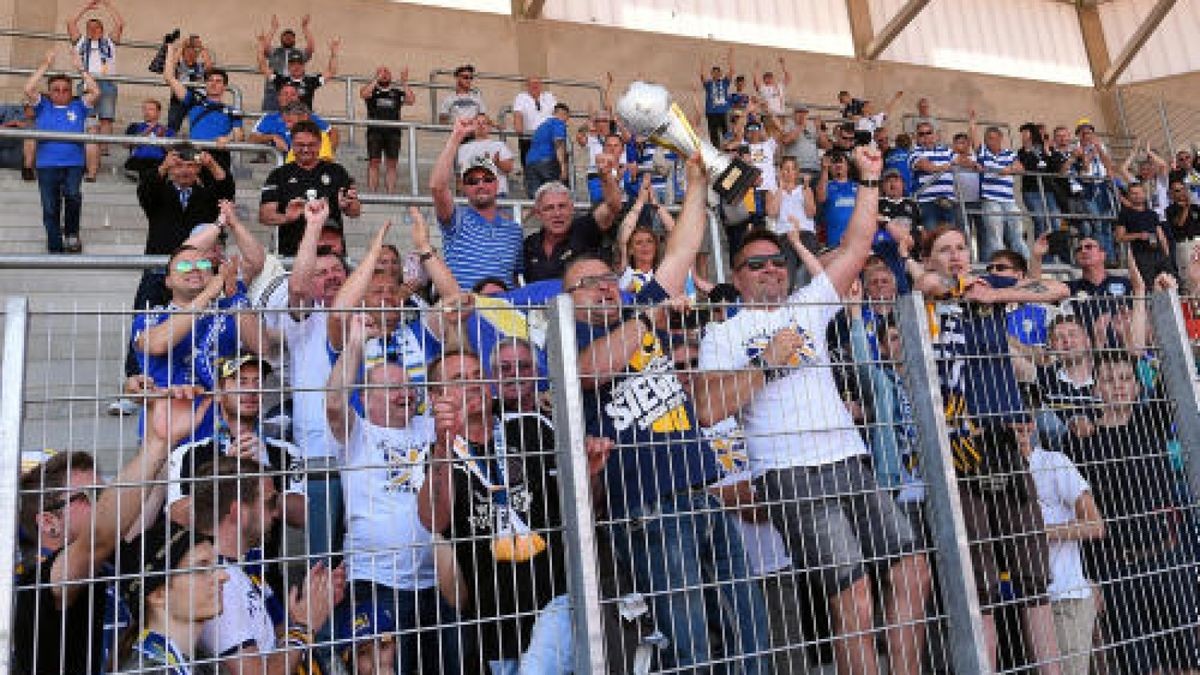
[[383, 143]]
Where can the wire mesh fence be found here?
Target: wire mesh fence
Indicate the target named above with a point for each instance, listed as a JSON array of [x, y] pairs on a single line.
[[526, 484]]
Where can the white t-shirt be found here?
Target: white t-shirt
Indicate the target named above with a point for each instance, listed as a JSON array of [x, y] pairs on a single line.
[[791, 204], [310, 365], [871, 123], [462, 106], [1059, 486], [244, 619], [773, 95], [799, 419], [489, 147], [534, 111], [384, 469], [595, 146], [762, 156], [98, 56]]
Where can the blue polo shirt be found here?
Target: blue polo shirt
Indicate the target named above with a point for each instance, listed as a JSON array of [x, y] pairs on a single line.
[[272, 124], [208, 119], [70, 117], [541, 145], [648, 413], [477, 248], [193, 359]]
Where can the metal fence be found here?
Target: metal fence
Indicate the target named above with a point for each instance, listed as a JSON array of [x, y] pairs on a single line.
[[887, 484]]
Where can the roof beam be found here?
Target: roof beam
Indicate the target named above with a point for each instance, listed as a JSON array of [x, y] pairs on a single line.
[[1094, 44], [861, 31], [880, 42], [1136, 42]]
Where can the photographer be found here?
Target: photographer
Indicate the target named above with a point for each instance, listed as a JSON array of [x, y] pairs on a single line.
[[306, 178]]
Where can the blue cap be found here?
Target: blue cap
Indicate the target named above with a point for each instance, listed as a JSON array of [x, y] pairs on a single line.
[[368, 620]]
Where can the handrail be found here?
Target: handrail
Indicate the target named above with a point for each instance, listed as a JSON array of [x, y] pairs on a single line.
[[85, 137], [123, 42], [238, 100], [519, 79]]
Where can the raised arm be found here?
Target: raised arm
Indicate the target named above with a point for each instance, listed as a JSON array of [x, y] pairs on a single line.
[[335, 48], [33, 86], [439, 272], [354, 289], [628, 224], [300, 291], [118, 22], [787, 77], [306, 31], [119, 506], [685, 240], [168, 74], [343, 376], [91, 90], [159, 340], [435, 501], [73, 31], [606, 213], [254, 254], [365, 91], [263, 66], [441, 179]]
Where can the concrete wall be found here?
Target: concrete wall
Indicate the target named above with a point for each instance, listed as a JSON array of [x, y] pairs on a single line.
[[375, 31]]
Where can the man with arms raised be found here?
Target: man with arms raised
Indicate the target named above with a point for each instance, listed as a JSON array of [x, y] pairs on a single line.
[[813, 467]]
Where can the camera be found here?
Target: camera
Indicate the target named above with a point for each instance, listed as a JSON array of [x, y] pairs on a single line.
[[862, 138], [186, 152]]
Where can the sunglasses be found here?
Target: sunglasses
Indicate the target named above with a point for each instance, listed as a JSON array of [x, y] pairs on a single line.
[[86, 495], [1000, 267], [595, 281], [476, 180], [1086, 247], [185, 266], [924, 133], [757, 263]]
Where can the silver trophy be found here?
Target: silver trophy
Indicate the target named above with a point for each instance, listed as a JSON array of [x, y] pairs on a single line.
[[647, 110]]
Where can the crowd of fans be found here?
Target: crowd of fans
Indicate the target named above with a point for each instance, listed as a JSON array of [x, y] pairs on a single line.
[[394, 413]]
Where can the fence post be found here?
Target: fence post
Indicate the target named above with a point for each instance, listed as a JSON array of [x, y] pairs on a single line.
[[968, 649], [574, 487], [1179, 368], [718, 251], [12, 392], [1166, 125]]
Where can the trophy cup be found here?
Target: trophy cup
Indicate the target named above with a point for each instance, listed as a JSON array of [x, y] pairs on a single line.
[[647, 110]]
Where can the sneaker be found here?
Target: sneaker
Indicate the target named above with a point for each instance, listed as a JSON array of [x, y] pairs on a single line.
[[123, 407], [71, 244], [28, 174]]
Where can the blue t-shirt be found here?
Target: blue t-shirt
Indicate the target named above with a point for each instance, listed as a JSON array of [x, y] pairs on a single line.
[[648, 413], [272, 124], [716, 96], [739, 99], [1028, 324], [477, 249], [209, 119], [193, 358], [70, 117], [154, 152], [836, 210], [541, 145]]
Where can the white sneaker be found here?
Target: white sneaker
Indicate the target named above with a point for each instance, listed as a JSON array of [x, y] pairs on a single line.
[[123, 407]]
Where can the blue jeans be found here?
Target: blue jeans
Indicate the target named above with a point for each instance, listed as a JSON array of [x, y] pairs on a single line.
[[428, 638], [538, 174], [550, 650], [325, 518], [675, 547], [1044, 209], [938, 212], [1002, 229], [60, 188], [1096, 202]]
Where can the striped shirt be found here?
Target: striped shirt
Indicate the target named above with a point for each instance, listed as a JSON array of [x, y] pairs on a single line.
[[477, 249], [941, 187], [993, 186]]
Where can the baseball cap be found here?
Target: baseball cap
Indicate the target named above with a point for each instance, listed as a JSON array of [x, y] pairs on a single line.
[[888, 173], [368, 620], [228, 367], [1082, 123], [480, 162], [295, 57]]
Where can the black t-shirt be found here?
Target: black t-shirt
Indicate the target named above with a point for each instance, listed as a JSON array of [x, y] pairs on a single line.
[[1145, 221], [50, 641], [484, 517], [1066, 398], [1191, 222], [1130, 475], [582, 238], [1038, 160], [900, 208], [305, 86], [385, 104], [290, 182], [1091, 300]]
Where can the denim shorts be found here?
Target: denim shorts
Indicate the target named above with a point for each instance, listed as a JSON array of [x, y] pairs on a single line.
[[836, 520], [106, 105]]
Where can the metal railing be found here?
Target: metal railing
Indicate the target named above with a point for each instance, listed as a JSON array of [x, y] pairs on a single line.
[[82, 137], [235, 92], [646, 580]]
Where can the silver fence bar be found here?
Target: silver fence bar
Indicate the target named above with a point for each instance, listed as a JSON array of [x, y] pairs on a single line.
[[1179, 369], [968, 651], [235, 91], [718, 254], [42, 135], [123, 42], [518, 79], [1166, 124], [579, 520], [12, 393]]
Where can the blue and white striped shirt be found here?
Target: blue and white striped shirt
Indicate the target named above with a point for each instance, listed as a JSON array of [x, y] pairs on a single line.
[[477, 249], [993, 186], [941, 187]]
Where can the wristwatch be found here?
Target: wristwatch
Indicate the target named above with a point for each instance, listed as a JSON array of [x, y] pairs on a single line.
[[426, 256], [869, 182]]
